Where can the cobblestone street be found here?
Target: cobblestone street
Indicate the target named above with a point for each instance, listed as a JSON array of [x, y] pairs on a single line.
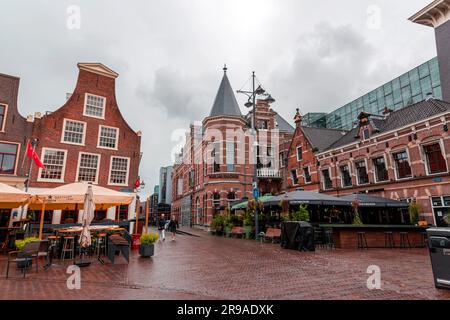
[[208, 267]]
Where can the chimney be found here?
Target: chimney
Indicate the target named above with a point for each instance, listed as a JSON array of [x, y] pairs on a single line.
[[437, 16], [298, 118], [387, 111]]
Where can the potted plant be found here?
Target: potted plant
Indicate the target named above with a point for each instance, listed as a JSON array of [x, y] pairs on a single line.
[[20, 245], [248, 225], [302, 214], [414, 212], [356, 218], [228, 224], [147, 246], [217, 224]]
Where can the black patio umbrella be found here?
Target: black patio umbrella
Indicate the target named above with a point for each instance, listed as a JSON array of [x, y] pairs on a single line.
[[308, 197], [367, 201]]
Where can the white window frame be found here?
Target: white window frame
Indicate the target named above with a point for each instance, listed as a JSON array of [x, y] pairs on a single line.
[[99, 136], [298, 180], [64, 130], [98, 165], [425, 159], [356, 172], [85, 104], [3, 125], [110, 170], [375, 169], [394, 165], [304, 176], [296, 153], [323, 178], [349, 166], [63, 170]]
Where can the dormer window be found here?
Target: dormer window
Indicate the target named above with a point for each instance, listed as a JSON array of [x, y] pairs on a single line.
[[366, 134]]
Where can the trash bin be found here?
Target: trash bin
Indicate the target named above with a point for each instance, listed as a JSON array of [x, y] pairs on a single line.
[[297, 236], [439, 247]]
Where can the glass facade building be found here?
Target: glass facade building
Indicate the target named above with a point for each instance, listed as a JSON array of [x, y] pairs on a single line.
[[411, 87]]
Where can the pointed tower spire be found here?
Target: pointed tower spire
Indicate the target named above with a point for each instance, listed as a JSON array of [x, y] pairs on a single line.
[[225, 103]]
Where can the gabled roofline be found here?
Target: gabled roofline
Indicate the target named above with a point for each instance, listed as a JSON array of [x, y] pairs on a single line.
[[98, 68], [439, 115]]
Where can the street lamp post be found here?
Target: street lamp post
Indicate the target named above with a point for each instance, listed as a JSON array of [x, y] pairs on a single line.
[[251, 103]]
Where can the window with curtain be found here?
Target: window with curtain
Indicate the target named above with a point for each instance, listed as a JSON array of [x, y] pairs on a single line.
[[402, 165], [435, 160]]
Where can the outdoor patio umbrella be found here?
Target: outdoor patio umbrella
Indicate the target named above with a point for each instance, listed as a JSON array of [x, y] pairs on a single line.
[[87, 217], [72, 197], [308, 197], [374, 202], [12, 197]]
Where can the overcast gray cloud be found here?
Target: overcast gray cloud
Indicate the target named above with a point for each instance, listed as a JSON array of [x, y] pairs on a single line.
[[169, 54]]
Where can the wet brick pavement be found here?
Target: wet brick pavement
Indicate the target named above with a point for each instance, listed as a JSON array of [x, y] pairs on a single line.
[[209, 267]]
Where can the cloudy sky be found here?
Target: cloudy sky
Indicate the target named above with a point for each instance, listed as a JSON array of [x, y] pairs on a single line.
[[315, 55]]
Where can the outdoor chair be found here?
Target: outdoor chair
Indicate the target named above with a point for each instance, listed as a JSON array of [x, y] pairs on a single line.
[[24, 257], [43, 251]]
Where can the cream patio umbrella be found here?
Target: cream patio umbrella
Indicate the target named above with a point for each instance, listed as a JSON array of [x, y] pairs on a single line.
[[72, 197], [12, 197], [88, 216]]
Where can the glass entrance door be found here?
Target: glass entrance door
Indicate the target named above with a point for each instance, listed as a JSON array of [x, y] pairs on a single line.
[[441, 210]]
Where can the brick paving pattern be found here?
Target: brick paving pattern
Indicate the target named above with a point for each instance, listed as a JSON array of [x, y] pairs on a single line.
[[209, 267]]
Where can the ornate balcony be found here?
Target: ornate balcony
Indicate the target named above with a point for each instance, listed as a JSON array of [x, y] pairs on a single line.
[[268, 173]]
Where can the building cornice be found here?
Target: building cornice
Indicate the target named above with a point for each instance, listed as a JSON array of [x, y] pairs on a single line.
[[433, 15]]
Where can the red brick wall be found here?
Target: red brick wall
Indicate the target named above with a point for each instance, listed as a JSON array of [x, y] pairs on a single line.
[[421, 186], [308, 160], [49, 131], [16, 127]]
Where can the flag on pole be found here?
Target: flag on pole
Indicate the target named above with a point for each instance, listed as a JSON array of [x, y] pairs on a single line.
[[31, 153]]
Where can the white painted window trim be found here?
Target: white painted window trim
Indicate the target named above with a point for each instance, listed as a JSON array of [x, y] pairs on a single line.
[[98, 165], [296, 152], [64, 130], [394, 164], [323, 178], [356, 172], [349, 166], [99, 135], [17, 158], [292, 178], [63, 170], [425, 159], [110, 171], [85, 104], [304, 176], [3, 125], [375, 169]]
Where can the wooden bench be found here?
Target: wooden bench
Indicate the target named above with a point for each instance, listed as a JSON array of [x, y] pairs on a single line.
[[273, 234], [238, 231]]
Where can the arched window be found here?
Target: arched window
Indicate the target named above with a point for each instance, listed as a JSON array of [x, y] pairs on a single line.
[[216, 200]]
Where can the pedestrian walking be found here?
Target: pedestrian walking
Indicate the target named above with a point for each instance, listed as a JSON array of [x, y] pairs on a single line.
[[162, 228], [173, 226]]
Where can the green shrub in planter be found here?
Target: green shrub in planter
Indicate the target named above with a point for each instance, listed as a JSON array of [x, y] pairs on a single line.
[[147, 247], [20, 244]]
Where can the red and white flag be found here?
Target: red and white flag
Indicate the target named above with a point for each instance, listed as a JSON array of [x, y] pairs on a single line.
[[31, 153]]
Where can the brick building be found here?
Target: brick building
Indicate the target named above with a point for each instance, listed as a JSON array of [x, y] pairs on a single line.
[[15, 131], [402, 155], [87, 139], [302, 161], [216, 166]]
